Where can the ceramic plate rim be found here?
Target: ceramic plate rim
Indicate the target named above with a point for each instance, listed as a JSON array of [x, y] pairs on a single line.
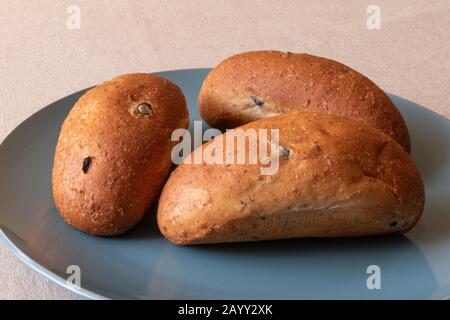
[[86, 293]]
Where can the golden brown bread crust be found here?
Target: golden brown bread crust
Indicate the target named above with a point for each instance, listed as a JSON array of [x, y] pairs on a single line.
[[111, 160], [342, 179], [254, 85]]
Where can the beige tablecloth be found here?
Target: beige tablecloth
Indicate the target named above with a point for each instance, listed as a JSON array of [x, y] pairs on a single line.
[[42, 59]]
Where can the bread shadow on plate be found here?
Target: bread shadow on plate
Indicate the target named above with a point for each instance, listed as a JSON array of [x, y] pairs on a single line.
[[146, 229], [310, 244], [310, 268]]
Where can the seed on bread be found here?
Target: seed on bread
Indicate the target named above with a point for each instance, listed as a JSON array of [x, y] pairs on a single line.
[[145, 109], [86, 164]]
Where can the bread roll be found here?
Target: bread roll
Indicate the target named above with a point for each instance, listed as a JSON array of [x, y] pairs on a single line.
[[254, 85], [336, 178], [113, 152]]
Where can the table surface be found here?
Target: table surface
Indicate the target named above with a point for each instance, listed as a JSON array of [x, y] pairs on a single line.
[[42, 60]]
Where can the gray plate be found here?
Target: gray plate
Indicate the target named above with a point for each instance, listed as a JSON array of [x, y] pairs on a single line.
[[142, 264]]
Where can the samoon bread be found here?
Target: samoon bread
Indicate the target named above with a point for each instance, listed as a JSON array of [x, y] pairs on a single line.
[[113, 152]]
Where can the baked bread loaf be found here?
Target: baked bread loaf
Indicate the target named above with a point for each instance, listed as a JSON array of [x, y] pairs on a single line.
[[254, 85], [336, 178], [113, 152]]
